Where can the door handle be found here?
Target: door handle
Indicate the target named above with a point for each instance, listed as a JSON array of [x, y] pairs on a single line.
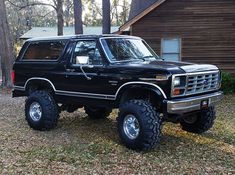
[[70, 70]]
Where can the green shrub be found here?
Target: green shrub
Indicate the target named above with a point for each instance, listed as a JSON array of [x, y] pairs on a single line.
[[228, 83]]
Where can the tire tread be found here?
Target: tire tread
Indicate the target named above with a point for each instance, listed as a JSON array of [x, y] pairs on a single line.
[[152, 125], [50, 110], [205, 121]]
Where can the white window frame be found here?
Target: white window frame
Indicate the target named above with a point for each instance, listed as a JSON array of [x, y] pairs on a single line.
[[180, 46]]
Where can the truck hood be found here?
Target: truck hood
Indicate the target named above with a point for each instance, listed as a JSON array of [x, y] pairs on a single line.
[[198, 68], [172, 67]]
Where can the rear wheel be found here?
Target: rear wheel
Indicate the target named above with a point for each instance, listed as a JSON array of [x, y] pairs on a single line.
[[97, 112], [41, 111], [200, 122], [139, 125]]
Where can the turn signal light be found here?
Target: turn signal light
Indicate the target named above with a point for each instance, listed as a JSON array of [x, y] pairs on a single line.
[[176, 92]]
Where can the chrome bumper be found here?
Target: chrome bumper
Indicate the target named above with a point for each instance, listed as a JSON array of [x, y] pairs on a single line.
[[185, 105]]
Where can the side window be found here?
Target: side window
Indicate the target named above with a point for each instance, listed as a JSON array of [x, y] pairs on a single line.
[[87, 48], [45, 51], [171, 49]]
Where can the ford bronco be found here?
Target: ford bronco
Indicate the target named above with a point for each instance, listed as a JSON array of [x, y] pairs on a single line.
[[104, 72]]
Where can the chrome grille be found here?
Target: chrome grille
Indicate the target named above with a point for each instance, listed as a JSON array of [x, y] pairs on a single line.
[[198, 83]]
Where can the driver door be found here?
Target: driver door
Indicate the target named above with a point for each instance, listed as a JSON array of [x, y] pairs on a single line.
[[85, 75]]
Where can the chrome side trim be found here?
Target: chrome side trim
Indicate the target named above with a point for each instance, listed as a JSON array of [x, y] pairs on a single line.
[[149, 79], [198, 68], [185, 105], [19, 88], [89, 95], [139, 82], [22, 88], [38, 78], [85, 95], [106, 96], [197, 73]]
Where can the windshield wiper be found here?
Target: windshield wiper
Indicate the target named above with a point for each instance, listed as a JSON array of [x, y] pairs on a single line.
[[146, 57]]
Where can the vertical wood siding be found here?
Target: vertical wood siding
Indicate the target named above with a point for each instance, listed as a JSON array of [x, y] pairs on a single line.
[[206, 27]]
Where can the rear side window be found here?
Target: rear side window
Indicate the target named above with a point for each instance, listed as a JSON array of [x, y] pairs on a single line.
[[45, 51]]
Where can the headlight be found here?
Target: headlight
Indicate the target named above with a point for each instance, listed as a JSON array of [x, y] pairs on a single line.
[[178, 85], [176, 81]]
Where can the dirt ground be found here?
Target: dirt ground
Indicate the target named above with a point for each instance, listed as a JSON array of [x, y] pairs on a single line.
[[80, 145]]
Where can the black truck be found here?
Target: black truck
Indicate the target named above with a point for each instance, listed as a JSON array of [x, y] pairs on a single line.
[[103, 72]]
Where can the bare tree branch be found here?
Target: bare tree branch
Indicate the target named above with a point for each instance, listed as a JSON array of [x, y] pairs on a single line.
[[31, 4], [55, 2], [43, 16], [98, 9]]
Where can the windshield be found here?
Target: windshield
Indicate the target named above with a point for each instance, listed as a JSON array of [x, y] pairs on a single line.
[[127, 49]]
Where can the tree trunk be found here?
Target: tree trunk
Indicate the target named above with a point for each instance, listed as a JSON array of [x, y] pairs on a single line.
[[66, 13], [115, 6], [78, 16], [124, 11], [60, 17], [29, 16], [6, 47], [106, 16]]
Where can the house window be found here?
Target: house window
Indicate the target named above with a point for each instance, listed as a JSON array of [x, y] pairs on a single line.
[[171, 49]]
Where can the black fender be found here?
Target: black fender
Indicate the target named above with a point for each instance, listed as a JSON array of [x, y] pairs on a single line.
[[39, 82], [160, 94]]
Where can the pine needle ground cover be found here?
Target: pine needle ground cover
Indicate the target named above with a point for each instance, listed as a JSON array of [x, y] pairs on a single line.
[[80, 145]]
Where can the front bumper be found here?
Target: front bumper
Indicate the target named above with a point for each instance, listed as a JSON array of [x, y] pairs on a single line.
[[190, 104]]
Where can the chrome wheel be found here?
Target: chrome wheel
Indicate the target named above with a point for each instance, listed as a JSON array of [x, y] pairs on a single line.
[[35, 111], [131, 127]]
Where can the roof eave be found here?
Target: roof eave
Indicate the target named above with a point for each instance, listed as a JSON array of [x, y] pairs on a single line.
[[141, 15]]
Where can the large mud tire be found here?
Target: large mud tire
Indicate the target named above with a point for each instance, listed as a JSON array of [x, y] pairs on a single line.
[[41, 111], [139, 125]]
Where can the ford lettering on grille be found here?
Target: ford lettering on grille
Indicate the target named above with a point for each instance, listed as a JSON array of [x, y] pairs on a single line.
[[197, 83]]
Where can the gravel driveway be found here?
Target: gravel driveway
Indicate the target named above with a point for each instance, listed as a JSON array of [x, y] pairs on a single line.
[[81, 146]]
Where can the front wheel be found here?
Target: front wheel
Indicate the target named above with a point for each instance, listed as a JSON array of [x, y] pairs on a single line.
[[139, 125], [201, 122], [41, 111]]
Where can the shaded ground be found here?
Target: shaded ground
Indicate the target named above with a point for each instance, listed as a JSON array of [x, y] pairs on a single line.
[[82, 146]]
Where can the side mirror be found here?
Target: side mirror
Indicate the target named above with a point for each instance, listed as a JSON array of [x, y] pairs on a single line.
[[84, 60]]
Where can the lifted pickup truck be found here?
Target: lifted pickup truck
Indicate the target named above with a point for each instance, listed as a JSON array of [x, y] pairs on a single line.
[[100, 73]]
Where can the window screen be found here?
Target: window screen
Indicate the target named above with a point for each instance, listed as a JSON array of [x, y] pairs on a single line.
[[171, 49], [44, 51]]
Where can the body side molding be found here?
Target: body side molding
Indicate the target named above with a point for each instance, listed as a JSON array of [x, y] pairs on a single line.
[[38, 78], [140, 82], [89, 95]]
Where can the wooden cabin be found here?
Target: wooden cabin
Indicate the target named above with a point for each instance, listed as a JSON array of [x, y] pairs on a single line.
[[198, 31]]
